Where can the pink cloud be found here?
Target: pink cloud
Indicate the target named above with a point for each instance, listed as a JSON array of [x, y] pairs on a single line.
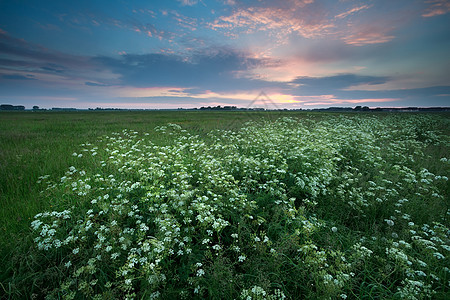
[[303, 18], [280, 21], [438, 7], [369, 35], [352, 11]]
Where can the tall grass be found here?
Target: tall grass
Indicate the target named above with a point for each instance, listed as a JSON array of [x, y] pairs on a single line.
[[317, 206], [37, 143]]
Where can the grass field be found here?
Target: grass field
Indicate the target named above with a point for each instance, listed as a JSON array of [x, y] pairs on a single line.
[[38, 143], [186, 204]]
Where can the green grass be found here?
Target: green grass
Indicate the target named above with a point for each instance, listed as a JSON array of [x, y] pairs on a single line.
[[39, 143], [378, 154]]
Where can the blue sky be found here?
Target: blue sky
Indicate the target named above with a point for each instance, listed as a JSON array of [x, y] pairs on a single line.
[[189, 53]]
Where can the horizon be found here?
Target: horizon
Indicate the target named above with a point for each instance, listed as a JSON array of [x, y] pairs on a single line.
[[227, 108], [304, 54]]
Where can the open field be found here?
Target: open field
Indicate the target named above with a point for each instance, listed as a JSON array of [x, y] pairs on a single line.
[[192, 204], [38, 143]]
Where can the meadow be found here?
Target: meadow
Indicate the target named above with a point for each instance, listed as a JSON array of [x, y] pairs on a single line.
[[224, 205]]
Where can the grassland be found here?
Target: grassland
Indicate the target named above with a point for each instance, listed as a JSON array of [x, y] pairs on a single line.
[[322, 205], [39, 143]]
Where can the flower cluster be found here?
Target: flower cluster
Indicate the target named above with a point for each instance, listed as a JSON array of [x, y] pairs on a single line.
[[273, 210]]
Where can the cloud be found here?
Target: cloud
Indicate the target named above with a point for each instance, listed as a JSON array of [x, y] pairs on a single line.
[[436, 8], [136, 25], [12, 48], [214, 68], [18, 77], [149, 92], [351, 89], [49, 27], [328, 53], [211, 75], [229, 2], [188, 2], [286, 21], [52, 69], [302, 92], [352, 11], [96, 84], [138, 22], [278, 19], [331, 100], [331, 84], [369, 35], [184, 21]]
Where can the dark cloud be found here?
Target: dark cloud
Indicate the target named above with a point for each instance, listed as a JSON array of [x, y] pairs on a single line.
[[53, 68], [18, 77], [20, 48], [23, 58], [16, 51], [210, 69]]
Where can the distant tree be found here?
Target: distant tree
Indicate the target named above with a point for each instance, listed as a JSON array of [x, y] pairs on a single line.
[[35, 107], [6, 107]]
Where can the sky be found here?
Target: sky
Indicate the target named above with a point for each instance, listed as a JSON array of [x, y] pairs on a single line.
[[192, 53]]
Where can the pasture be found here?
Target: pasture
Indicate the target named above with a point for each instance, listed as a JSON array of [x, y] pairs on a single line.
[[224, 205]]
